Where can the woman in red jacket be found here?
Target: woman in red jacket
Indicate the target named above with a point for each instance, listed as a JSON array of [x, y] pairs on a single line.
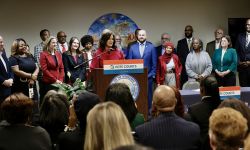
[[51, 65], [169, 67]]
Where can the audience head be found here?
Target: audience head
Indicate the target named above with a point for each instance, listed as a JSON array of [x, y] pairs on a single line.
[[196, 44], [107, 128], [84, 103], [1, 43], [169, 47], [239, 106], [164, 99], [44, 34], [218, 33], [179, 108], [141, 36], [165, 37], [209, 87], [18, 47], [120, 94], [74, 44], [61, 37], [227, 129], [54, 111], [107, 40], [17, 108], [248, 25], [226, 41], [87, 42], [188, 31], [50, 44]]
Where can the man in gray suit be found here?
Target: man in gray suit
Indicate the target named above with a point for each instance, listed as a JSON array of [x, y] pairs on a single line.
[[167, 130], [215, 44]]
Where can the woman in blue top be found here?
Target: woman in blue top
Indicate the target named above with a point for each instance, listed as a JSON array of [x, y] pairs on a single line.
[[225, 63]]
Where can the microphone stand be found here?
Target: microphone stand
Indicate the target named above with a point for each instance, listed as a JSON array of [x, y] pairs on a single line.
[[99, 55]]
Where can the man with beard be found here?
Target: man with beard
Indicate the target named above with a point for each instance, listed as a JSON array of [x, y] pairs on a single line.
[[145, 50], [62, 43], [183, 48], [242, 47]]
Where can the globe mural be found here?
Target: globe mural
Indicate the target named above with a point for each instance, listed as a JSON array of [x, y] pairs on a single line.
[[117, 23]]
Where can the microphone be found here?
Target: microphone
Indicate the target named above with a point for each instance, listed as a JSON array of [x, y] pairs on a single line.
[[99, 55]]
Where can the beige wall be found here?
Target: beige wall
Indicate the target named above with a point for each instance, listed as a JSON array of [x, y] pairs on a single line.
[[25, 18]]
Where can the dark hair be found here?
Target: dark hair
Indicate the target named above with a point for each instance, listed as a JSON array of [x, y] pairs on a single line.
[[17, 46], [210, 87], [239, 106], [17, 108], [133, 147], [85, 102], [179, 107], [228, 39], [42, 31], [87, 39], [54, 113], [105, 37], [121, 95], [71, 42]]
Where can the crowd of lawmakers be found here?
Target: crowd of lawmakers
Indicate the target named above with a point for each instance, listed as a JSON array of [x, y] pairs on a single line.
[[34, 115]]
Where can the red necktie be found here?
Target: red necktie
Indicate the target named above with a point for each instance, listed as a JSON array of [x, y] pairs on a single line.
[[63, 48]]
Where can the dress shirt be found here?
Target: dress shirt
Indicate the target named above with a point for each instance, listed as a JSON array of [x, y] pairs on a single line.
[[142, 48], [61, 47], [4, 63], [189, 42], [247, 39], [217, 44]]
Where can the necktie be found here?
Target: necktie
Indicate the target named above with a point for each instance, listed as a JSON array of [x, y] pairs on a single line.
[[189, 44], [247, 40], [63, 48], [4, 64], [141, 49]]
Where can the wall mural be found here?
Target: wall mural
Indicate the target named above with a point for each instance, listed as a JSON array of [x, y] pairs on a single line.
[[117, 23]]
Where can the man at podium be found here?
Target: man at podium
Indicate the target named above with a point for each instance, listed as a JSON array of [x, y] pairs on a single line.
[[145, 50]]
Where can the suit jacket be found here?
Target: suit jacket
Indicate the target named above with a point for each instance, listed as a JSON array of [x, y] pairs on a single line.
[[69, 64], [162, 70], [51, 71], [210, 48], [182, 52], [168, 131], [5, 91], [240, 46], [200, 113], [229, 61], [149, 57]]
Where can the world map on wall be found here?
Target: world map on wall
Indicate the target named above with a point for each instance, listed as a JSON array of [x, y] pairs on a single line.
[[117, 23]]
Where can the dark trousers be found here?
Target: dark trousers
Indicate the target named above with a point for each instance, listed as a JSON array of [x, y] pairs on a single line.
[[244, 77], [227, 80]]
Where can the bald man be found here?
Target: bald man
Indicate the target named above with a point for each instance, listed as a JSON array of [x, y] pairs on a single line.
[[167, 131], [215, 44]]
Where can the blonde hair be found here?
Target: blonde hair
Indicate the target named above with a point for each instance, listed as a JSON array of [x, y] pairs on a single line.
[[107, 128], [47, 43], [227, 129], [247, 143], [15, 47]]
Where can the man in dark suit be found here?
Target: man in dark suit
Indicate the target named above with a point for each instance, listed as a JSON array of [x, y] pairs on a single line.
[[215, 44], [167, 130], [143, 49], [242, 47], [201, 111], [6, 75], [165, 37], [183, 48]]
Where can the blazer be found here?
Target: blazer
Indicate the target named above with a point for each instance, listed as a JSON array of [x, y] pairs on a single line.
[[51, 71], [200, 113], [168, 131], [162, 70], [240, 46], [229, 61], [210, 48], [69, 66], [5, 91], [149, 57]]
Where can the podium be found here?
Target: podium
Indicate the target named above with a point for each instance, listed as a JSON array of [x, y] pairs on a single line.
[[101, 82]]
